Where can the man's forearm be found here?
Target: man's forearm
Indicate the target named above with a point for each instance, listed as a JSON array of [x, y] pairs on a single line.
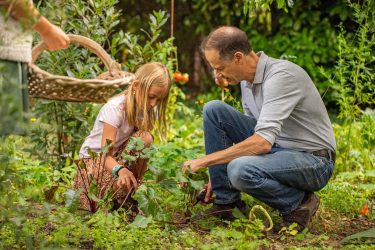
[[254, 145]]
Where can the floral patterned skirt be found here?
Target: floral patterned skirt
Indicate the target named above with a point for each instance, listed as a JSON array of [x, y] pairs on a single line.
[[93, 171]]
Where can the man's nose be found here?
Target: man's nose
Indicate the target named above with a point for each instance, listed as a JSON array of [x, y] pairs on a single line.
[[218, 75]]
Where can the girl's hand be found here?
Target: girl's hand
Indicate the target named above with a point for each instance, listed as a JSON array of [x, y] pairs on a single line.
[[126, 179]]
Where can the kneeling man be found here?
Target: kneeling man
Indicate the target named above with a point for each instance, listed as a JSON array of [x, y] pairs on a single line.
[[281, 150]]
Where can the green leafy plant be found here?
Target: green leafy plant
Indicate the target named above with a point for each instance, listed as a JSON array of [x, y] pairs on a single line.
[[290, 231], [353, 77], [96, 192], [250, 6], [153, 49], [355, 144], [368, 235]]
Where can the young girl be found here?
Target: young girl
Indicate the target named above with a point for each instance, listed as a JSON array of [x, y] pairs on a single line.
[[132, 113]]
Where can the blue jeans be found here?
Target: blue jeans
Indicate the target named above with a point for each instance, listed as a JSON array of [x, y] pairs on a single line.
[[280, 178]]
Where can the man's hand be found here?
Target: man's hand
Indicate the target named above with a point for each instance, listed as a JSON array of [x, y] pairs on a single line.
[[193, 165], [208, 188], [205, 196]]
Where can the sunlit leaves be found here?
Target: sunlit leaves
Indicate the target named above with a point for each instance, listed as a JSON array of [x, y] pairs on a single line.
[[141, 221], [147, 201], [250, 6], [72, 199]]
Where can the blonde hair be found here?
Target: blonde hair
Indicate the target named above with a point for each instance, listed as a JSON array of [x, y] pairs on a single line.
[[137, 114]]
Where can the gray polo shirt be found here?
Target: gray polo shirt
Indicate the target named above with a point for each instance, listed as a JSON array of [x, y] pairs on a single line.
[[287, 106]]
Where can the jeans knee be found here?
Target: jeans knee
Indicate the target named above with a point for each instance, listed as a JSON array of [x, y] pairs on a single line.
[[235, 172], [243, 174], [212, 107]]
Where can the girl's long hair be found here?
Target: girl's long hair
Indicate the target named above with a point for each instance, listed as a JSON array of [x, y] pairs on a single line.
[[137, 115]]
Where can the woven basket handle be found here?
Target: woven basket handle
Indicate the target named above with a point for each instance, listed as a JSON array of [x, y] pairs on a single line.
[[110, 64]]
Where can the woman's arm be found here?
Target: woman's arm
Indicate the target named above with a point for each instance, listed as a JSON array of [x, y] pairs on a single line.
[[26, 13], [126, 177], [23, 11]]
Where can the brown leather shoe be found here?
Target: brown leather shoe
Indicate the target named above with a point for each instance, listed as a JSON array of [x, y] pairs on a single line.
[[223, 212], [302, 215]]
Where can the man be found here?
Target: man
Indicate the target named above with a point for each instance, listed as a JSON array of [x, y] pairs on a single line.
[[17, 19], [281, 150]]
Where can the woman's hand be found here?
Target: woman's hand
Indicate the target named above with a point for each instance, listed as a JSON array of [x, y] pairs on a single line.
[[126, 179], [53, 36]]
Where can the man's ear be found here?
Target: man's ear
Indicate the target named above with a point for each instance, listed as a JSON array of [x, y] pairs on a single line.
[[238, 57]]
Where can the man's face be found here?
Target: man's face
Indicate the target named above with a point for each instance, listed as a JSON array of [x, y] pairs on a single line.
[[229, 70]]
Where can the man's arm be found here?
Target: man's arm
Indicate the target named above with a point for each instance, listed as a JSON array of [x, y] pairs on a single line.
[[30, 18], [254, 145]]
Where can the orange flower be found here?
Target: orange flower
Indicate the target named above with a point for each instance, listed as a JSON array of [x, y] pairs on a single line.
[[364, 210]]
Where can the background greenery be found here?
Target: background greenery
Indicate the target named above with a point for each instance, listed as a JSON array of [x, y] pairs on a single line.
[[332, 40]]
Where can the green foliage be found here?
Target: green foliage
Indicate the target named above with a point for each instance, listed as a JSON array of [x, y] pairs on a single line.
[[290, 231], [356, 144], [148, 202], [365, 235], [136, 54], [141, 221], [137, 150], [306, 35], [353, 77], [56, 227], [249, 6], [165, 170], [22, 178], [345, 196]]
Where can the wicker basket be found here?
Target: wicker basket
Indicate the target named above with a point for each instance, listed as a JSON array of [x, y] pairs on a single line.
[[54, 87]]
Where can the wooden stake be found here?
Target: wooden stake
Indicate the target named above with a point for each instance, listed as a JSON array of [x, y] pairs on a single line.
[[172, 17]]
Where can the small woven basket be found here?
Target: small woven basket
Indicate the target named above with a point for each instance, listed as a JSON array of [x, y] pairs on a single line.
[[54, 87]]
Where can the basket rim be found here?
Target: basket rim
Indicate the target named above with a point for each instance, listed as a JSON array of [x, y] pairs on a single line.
[[85, 42], [72, 80]]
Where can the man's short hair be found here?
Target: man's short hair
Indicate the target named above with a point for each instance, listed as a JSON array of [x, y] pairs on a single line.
[[227, 40]]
